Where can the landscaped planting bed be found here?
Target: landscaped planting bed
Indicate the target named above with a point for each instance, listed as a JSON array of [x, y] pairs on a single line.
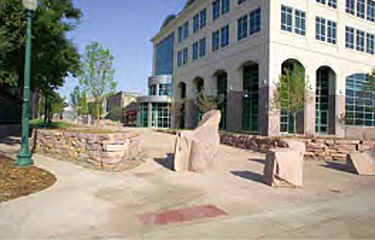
[[17, 182]]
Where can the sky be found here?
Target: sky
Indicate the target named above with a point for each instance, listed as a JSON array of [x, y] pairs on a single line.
[[125, 27]]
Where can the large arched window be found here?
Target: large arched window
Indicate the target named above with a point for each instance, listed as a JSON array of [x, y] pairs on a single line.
[[360, 101], [286, 118], [250, 101]]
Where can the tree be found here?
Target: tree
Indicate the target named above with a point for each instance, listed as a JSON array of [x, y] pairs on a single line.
[[291, 91], [371, 82], [54, 56], [97, 75], [116, 114], [78, 101], [207, 103], [179, 111], [54, 104]]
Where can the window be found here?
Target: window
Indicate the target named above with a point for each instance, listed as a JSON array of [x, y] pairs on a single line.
[[225, 36], [186, 30], [179, 58], [144, 115], [202, 47], [361, 6], [185, 56], [152, 90], [241, 1], [360, 104], [300, 26], [370, 43], [255, 21], [371, 10], [332, 3], [320, 29], [332, 32], [286, 18], [196, 23], [195, 51], [215, 40], [349, 37], [360, 40], [161, 115], [165, 90], [203, 17], [225, 6], [180, 34], [350, 6], [216, 9], [242, 28]]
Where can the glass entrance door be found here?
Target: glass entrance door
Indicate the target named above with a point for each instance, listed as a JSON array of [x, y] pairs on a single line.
[[322, 101]]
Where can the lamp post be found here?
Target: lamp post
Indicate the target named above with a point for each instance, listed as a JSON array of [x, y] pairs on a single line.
[[24, 156]]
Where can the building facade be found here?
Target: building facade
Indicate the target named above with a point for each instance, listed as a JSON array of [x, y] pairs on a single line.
[[126, 102], [238, 49], [155, 109]]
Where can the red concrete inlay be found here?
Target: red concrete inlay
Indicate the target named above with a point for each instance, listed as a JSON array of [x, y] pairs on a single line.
[[181, 215]]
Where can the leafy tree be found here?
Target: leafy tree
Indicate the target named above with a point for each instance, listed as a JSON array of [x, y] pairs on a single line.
[[116, 114], [54, 56], [179, 111], [97, 75], [207, 103], [78, 101], [371, 83], [291, 91], [54, 104]]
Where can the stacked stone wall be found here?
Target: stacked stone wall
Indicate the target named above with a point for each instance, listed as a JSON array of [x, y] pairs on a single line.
[[316, 148], [104, 151]]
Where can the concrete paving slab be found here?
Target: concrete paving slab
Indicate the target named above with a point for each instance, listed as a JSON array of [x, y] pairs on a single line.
[[91, 204]]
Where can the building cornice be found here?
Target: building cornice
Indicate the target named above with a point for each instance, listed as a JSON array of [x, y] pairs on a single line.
[[171, 26]]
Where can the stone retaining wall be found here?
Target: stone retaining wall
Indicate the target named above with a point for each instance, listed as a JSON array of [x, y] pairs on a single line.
[[104, 151], [316, 148]]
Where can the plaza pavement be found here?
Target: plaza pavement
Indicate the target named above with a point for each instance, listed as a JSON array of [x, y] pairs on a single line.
[[86, 204]]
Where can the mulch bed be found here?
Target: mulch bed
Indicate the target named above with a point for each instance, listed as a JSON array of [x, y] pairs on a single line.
[[17, 182]]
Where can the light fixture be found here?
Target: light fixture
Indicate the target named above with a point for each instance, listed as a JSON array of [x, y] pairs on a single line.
[[30, 5]]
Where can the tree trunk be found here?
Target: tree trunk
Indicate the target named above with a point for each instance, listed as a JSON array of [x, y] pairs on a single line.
[[295, 123], [97, 114], [45, 108], [40, 103]]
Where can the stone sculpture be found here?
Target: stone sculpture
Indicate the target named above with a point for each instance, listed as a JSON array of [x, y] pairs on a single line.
[[195, 151], [362, 163], [284, 166]]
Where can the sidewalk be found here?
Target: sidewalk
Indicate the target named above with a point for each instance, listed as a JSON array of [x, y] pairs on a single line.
[[89, 204]]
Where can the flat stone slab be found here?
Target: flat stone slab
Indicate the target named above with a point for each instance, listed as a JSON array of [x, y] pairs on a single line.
[[181, 215]]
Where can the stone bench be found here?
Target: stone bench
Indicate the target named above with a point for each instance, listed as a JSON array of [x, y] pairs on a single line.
[[361, 163], [284, 166]]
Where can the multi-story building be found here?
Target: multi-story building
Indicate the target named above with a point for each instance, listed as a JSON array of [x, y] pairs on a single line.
[[155, 109], [238, 49], [121, 100], [127, 102]]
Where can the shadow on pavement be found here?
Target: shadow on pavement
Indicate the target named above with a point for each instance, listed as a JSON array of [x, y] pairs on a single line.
[[261, 161], [166, 162], [256, 177], [337, 166]]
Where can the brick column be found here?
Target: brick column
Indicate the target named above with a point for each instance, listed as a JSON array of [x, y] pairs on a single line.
[[234, 111], [340, 111], [191, 114], [309, 117]]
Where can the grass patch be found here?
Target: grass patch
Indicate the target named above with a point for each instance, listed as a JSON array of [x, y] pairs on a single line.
[[39, 123]]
